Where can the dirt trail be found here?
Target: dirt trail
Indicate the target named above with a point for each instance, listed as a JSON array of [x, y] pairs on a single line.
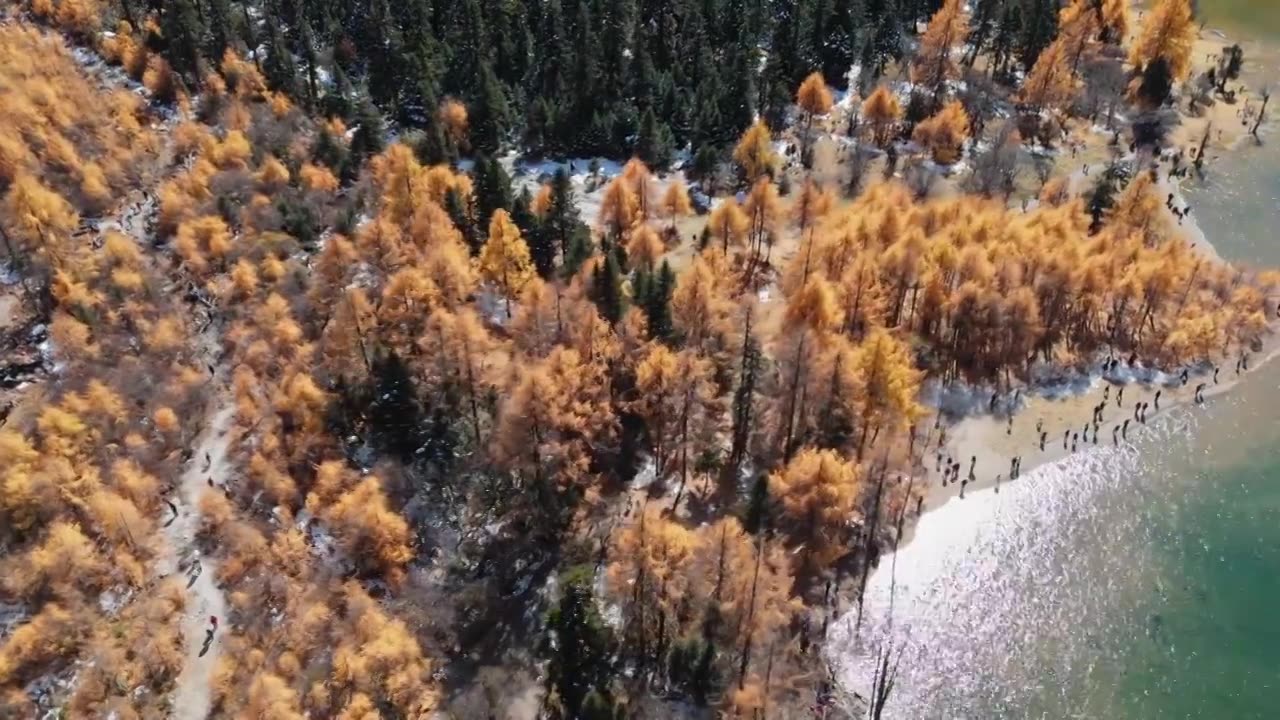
[[208, 463], [192, 698]]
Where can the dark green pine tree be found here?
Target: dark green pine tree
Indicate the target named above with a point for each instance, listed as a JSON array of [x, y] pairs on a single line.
[[328, 151], [885, 43], [562, 221], [464, 218], [606, 288], [541, 250], [735, 108], [588, 127], [220, 29], [420, 88], [744, 401], [579, 644], [509, 39], [490, 116], [370, 135], [581, 248], [657, 303], [383, 48], [394, 414], [279, 68], [837, 48], [1104, 194], [467, 38], [1038, 28], [492, 188], [182, 30], [617, 29], [655, 145], [755, 516]]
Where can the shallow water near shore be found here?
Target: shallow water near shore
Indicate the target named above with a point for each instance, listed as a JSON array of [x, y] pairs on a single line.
[[1135, 583]]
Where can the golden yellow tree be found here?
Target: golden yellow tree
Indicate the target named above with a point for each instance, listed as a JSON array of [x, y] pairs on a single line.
[[728, 223], [947, 29], [754, 152], [818, 491], [944, 134], [888, 386], [650, 578], [504, 260], [882, 111], [677, 400], [745, 586], [1050, 83], [814, 99], [1168, 33], [675, 202], [373, 536]]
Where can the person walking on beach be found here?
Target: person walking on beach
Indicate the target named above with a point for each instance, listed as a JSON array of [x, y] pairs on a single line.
[[1066, 436], [1075, 441], [1184, 376], [1120, 397], [1043, 436], [1124, 430], [1158, 395], [973, 462], [1009, 429], [1200, 393], [1115, 432], [1215, 374]]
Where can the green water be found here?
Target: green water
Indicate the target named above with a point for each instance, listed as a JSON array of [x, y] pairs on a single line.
[[1257, 17]]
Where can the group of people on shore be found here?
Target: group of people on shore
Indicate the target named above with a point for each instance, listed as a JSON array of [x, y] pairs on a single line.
[[1073, 439]]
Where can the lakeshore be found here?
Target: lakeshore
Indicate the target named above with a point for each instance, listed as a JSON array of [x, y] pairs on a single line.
[[951, 527]]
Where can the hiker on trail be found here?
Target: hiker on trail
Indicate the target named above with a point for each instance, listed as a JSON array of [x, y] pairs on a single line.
[[1158, 396]]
